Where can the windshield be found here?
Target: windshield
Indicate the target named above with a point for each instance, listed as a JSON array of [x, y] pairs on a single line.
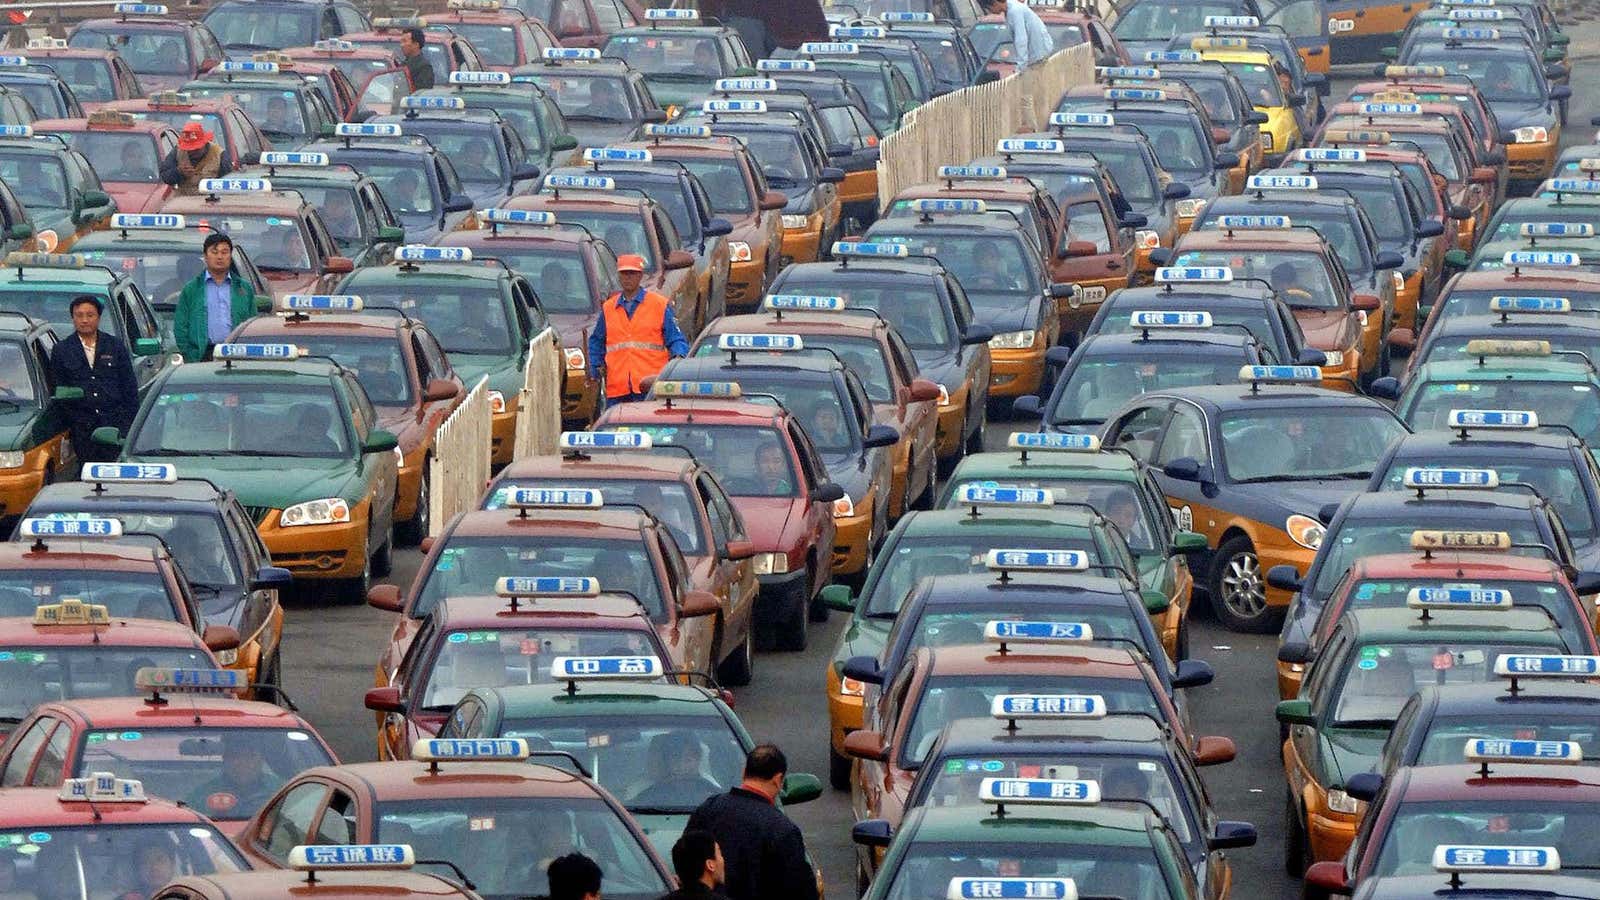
[[227, 773], [668, 501], [16, 382], [781, 158], [906, 306], [1476, 303], [504, 657], [1153, 21], [195, 539], [263, 26], [1391, 594], [982, 263], [406, 187], [472, 565], [1130, 172], [988, 36], [244, 419], [146, 51], [652, 763], [1098, 870], [1390, 216], [1552, 476], [117, 157], [275, 111], [724, 181], [496, 44], [953, 626], [727, 450], [669, 56], [622, 232], [377, 363], [1360, 539], [1499, 77], [557, 274], [1261, 84], [597, 97], [1118, 501], [112, 860], [339, 212], [276, 243], [916, 558], [1575, 340], [1381, 678], [1448, 735], [467, 315], [490, 838], [1418, 827], [1215, 97], [1174, 138], [1311, 441], [160, 273], [873, 87], [1572, 403], [473, 152], [39, 181], [1301, 279], [47, 302], [30, 676], [815, 403], [125, 594], [863, 356], [1099, 385], [178, 118], [1337, 226], [90, 79]]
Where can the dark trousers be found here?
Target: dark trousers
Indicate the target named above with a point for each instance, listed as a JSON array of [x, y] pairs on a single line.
[[625, 398]]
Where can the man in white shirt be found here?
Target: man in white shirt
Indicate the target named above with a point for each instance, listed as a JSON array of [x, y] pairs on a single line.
[[1030, 40]]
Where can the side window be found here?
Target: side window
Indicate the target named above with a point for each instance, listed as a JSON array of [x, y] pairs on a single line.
[[719, 525], [607, 15], [809, 465], [255, 554], [536, 322], [606, 273], [438, 363], [27, 747], [1186, 436], [724, 508], [425, 372], [863, 405], [1087, 222], [380, 206], [289, 825], [1137, 430], [41, 350], [1316, 685], [903, 360], [329, 26], [47, 773], [667, 233], [362, 415], [350, 19], [338, 822]]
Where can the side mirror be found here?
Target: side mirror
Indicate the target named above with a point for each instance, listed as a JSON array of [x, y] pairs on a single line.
[[1232, 835], [1484, 175], [20, 231], [1385, 388], [1459, 213], [837, 597], [1388, 259], [563, 142], [718, 227], [880, 436], [1294, 712], [697, 604], [1193, 673], [1327, 513], [864, 669], [831, 175], [1553, 72], [977, 334], [1284, 578], [678, 259], [987, 76], [385, 597], [877, 832], [1390, 53], [1457, 259], [1076, 249], [1184, 468], [1160, 256], [1402, 338], [1430, 229], [1586, 583], [391, 234], [1227, 159], [839, 150], [1214, 751], [1295, 653], [1364, 786], [1296, 100], [799, 787], [1256, 117], [909, 106], [339, 265], [105, 435], [1497, 156], [1219, 135], [146, 346], [1366, 302], [1058, 355], [1177, 190], [526, 172], [737, 550], [1028, 406], [384, 699], [94, 199], [773, 200], [1327, 876], [827, 492], [655, 116], [865, 745], [220, 638], [270, 578], [1155, 602], [1133, 220], [380, 441], [1064, 291], [1189, 542], [922, 389], [1310, 356], [458, 204], [441, 389]]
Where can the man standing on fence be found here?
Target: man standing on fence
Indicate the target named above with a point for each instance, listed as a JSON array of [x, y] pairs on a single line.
[[634, 336], [1030, 40]]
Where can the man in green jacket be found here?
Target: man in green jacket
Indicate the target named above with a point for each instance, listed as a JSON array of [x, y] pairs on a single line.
[[213, 303]]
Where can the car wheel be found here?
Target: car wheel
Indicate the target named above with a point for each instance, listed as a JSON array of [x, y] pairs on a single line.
[[735, 670], [383, 560], [790, 625], [1182, 647], [838, 770], [354, 590], [1239, 589], [975, 440], [1294, 843], [412, 532]]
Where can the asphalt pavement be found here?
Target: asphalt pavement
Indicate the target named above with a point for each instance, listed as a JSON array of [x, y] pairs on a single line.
[[329, 654]]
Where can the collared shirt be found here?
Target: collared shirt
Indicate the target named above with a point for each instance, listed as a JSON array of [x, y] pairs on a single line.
[[88, 349], [671, 335], [219, 307], [1030, 40]]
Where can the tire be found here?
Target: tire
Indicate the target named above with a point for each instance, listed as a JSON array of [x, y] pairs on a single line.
[[354, 590], [1183, 639], [791, 624], [1295, 845], [735, 670], [926, 498], [1238, 589], [412, 532], [383, 559], [838, 770], [975, 440]]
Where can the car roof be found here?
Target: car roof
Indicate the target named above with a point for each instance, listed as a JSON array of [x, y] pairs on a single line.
[[1080, 660], [185, 711], [605, 612], [1507, 781], [1454, 566], [685, 410], [408, 780], [613, 698], [1518, 625], [1163, 342], [1139, 735], [1399, 504], [843, 324], [117, 555], [1430, 443], [1270, 239], [982, 588], [615, 523], [600, 465], [19, 632], [265, 203], [315, 368], [148, 126], [1054, 465], [353, 325], [1266, 396], [1105, 825], [39, 807]]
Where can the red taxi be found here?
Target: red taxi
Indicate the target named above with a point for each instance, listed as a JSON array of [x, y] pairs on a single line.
[[126, 153], [97, 76], [232, 129]]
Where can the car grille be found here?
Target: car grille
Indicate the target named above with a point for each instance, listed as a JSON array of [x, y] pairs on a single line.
[[258, 514]]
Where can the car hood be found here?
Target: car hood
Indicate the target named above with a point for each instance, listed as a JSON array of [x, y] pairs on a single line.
[[282, 284], [1518, 115], [766, 519], [152, 84], [137, 196], [1326, 329], [1349, 751], [844, 469], [16, 427], [802, 200], [940, 367], [662, 830], [262, 482], [420, 228], [1304, 497], [864, 637], [504, 376], [600, 134], [485, 196], [1020, 314]]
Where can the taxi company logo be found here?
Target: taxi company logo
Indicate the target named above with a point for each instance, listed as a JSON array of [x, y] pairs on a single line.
[[334, 856], [1533, 749], [1012, 889], [1050, 705]]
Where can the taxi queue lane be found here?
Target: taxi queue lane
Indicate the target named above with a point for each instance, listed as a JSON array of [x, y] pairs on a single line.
[[327, 679]]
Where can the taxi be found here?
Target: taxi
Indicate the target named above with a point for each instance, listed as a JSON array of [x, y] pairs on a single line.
[[1567, 334], [888, 94], [164, 51], [126, 153], [491, 155], [332, 872], [225, 564], [1503, 868], [731, 176], [484, 315], [677, 52], [603, 101], [907, 57], [468, 640], [1431, 84], [82, 833], [683, 495], [949, 47], [480, 806], [670, 746], [417, 182], [56, 185], [628, 222], [951, 349], [1288, 448], [785, 500], [289, 110], [527, 108], [505, 36], [363, 227], [398, 363], [323, 76], [1353, 694], [874, 351], [1285, 50], [68, 650], [359, 64], [233, 131], [238, 23], [49, 95], [293, 248], [186, 738], [445, 50], [999, 267], [1239, 306], [159, 254], [1284, 131], [33, 418], [1225, 100], [1420, 806], [40, 286], [96, 75], [1471, 293], [325, 511], [1303, 269]]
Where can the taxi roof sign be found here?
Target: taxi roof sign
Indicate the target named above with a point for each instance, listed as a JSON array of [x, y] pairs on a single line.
[[1082, 120], [1427, 540], [1040, 791], [606, 440], [480, 78], [470, 750], [990, 495], [803, 302], [1036, 561], [1153, 95], [829, 48], [939, 205], [16, 131], [1329, 155], [1491, 347], [1048, 706], [580, 183], [1193, 274], [1540, 665], [1029, 145], [571, 53], [1282, 374], [188, 681], [1254, 222], [278, 352], [555, 498], [422, 101], [247, 65], [664, 14], [282, 158], [776, 343], [1366, 136], [47, 43], [1414, 71], [1555, 229], [605, 668], [498, 216], [1219, 43], [1064, 443], [70, 528], [21, 259], [546, 586], [352, 857], [310, 303], [234, 185], [785, 65], [367, 129], [415, 253], [1419, 477], [1570, 186], [720, 390], [1187, 319], [147, 222], [1012, 888], [1173, 56], [1231, 22], [616, 154], [901, 16], [745, 85], [1508, 419], [71, 611], [1492, 750], [1458, 858], [1008, 631], [139, 9], [1132, 73], [333, 45], [102, 787], [677, 130], [713, 107], [1282, 183], [1475, 15], [129, 473], [869, 249], [858, 32], [973, 173], [1530, 305], [1457, 598], [1472, 34]]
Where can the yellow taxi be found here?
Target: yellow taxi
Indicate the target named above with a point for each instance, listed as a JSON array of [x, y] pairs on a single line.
[[1257, 72]]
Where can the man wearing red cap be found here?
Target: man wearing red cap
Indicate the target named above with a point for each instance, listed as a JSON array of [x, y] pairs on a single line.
[[635, 335], [197, 156]]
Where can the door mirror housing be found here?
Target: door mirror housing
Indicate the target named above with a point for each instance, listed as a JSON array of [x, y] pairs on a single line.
[[20, 231], [1189, 542], [878, 832], [678, 259], [146, 347], [384, 699], [1430, 229], [380, 441], [1295, 653], [1193, 673], [1160, 256], [1176, 190], [1388, 259], [1184, 468], [338, 265], [737, 550], [922, 389], [105, 435], [220, 638], [1155, 602], [1256, 117], [977, 334], [1219, 135], [1060, 291], [831, 175], [1364, 786], [391, 234], [458, 204], [1133, 220], [526, 172], [1402, 338], [1028, 406], [1328, 876], [1214, 751], [1485, 175], [1227, 159], [1366, 302], [1459, 213], [773, 200], [563, 142], [1385, 388], [272, 578], [1284, 578], [799, 787], [385, 597], [1232, 835], [655, 116], [864, 669], [440, 389], [718, 227], [1294, 712], [880, 436], [827, 492], [697, 604], [1586, 583], [1457, 259], [837, 597], [868, 745]]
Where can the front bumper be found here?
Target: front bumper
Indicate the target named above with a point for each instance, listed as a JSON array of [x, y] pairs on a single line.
[[851, 536], [408, 482], [802, 246], [747, 281], [845, 711], [1330, 833], [319, 551], [504, 430], [952, 429], [18, 486], [1532, 161], [1016, 372], [1407, 300], [1290, 676], [580, 397]]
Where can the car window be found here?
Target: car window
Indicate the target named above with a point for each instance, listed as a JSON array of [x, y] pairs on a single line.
[[1086, 222], [1137, 430], [26, 748], [1185, 437], [48, 771], [289, 824]]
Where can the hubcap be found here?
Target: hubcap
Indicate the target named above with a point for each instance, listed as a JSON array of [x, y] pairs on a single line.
[[423, 505], [1242, 588]]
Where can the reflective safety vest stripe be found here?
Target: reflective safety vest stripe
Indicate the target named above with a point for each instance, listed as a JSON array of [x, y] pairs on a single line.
[[635, 346]]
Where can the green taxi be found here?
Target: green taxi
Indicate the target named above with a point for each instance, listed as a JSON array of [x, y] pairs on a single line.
[[1115, 485], [484, 314], [678, 53], [34, 449], [295, 439], [359, 219], [531, 112], [941, 542]]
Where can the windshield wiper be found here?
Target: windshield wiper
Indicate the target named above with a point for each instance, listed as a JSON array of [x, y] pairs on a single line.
[[1354, 473], [881, 614], [781, 181], [166, 451], [1365, 723], [246, 45], [659, 810], [1287, 476]]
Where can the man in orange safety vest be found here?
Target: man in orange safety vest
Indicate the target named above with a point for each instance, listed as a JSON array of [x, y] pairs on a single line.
[[634, 336]]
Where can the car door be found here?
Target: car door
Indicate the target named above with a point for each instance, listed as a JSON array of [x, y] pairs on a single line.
[[740, 575], [260, 604], [694, 635], [289, 822], [819, 516], [920, 417], [1185, 437]]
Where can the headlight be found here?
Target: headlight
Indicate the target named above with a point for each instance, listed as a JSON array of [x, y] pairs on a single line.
[[315, 512], [672, 110], [1305, 531], [1532, 134], [771, 563], [1012, 340], [574, 358], [1145, 239], [738, 251], [849, 687], [227, 657], [13, 459], [1340, 802], [1297, 668], [497, 402], [944, 396], [792, 221], [844, 506], [399, 459], [1266, 140], [177, 359], [1399, 281], [1190, 208]]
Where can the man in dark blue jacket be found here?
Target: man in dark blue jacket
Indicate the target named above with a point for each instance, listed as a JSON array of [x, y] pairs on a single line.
[[100, 365]]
